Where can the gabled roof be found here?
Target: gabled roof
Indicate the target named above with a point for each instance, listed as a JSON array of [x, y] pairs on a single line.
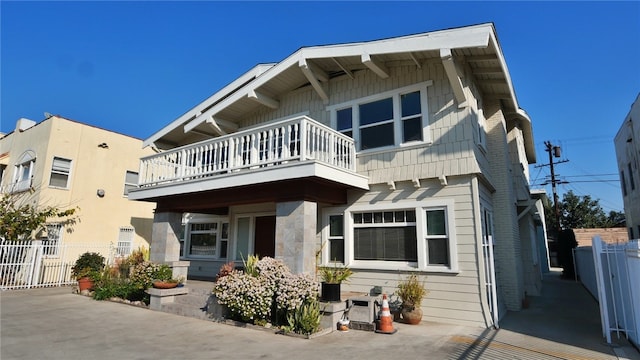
[[264, 84]]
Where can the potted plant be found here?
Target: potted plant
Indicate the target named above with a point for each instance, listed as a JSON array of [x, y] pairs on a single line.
[[163, 278], [332, 277], [411, 292], [87, 269]]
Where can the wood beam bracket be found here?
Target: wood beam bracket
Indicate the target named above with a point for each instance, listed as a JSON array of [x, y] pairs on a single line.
[[454, 77], [314, 75], [378, 68], [263, 99]]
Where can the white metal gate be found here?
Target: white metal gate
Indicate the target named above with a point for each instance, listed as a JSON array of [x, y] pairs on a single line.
[[489, 265], [38, 263], [618, 278]]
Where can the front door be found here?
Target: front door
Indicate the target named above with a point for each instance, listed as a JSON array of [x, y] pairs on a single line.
[[264, 241]]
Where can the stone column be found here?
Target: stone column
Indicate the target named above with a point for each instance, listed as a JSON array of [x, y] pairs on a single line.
[[296, 230], [165, 244]]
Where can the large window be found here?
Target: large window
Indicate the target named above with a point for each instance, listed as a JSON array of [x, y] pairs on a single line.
[[130, 182], [409, 236], [208, 239], [389, 119], [385, 236], [60, 170]]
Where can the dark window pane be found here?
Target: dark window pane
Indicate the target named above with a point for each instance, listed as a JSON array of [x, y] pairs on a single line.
[[386, 244], [438, 251], [388, 217], [367, 218], [225, 231], [376, 136], [377, 217], [399, 216], [348, 133], [336, 227], [344, 119], [336, 250], [411, 215], [376, 111], [410, 104], [203, 244], [223, 249], [412, 129], [357, 218], [436, 223]]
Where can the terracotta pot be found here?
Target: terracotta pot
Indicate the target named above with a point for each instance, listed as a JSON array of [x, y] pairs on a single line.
[[412, 314], [164, 285], [85, 283]]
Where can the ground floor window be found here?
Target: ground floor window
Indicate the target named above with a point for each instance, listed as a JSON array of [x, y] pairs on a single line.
[[125, 241], [207, 239], [53, 240], [413, 235]]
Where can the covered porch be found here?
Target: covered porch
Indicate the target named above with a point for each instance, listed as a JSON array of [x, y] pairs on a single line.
[[262, 184]]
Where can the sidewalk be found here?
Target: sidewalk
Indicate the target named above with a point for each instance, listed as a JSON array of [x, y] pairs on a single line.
[[52, 323]]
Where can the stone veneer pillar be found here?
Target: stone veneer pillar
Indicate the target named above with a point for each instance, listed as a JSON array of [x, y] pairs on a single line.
[[296, 235], [165, 244]]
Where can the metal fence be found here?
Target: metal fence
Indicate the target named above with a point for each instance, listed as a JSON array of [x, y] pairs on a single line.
[[41, 263], [616, 271]]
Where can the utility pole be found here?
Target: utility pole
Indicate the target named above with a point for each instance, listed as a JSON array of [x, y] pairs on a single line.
[[554, 151]]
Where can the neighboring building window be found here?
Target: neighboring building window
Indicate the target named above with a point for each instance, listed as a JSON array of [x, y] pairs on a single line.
[[60, 173], [389, 119], [51, 244], [631, 181], [125, 241], [23, 175], [130, 182], [623, 183], [415, 235], [210, 239]]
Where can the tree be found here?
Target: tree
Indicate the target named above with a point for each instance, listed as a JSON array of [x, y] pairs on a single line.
[[19, 219], [581, 212]]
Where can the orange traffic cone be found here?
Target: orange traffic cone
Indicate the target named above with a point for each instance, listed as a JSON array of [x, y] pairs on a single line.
[[386, 320]]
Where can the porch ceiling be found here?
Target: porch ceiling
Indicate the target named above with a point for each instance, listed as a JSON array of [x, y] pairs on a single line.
[[218, 201]]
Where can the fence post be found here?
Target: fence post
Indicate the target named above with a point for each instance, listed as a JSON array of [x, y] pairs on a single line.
[[36, 263], [602, 294]]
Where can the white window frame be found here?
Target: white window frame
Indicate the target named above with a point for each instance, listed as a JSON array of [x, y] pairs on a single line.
[[125, 241], [54, 239], [60, 171], [421, 234], [218, 231], [129, 185], [23, 172], [397, 115], [326, 236]]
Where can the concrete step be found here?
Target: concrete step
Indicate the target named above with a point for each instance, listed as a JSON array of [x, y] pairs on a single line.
[[198, 300], [185, 310]]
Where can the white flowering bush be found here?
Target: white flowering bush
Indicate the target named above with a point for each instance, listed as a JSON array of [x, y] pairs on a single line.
[[295, 290], [144, 273], [268, 293]]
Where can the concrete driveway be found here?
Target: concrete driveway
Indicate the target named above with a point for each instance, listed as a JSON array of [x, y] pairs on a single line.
[[56, 324]]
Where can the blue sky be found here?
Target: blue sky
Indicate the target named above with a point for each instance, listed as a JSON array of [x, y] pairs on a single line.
[[133, 67]]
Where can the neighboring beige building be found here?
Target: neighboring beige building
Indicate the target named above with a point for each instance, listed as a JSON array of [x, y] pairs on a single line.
[[392, 156], [627, 143], [68, 164], [608, 235]]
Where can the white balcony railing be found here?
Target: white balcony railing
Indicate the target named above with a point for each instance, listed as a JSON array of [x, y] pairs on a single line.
[[274, 144]]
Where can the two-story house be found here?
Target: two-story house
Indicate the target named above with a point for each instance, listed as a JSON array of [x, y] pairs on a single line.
[[627, 144], [67, 164], [400, 155]]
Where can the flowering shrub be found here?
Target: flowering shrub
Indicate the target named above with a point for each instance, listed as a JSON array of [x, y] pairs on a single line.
[[295, 290], [270, 285], [144, 273]]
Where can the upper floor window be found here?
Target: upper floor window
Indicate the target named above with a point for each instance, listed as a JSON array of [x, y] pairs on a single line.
[[130, 181], [389, 119], [632, 183], [623, 183], [23, 172], [60, 170]]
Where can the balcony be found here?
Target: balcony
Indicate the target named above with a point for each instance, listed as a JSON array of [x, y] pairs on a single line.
[[289, 149]]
